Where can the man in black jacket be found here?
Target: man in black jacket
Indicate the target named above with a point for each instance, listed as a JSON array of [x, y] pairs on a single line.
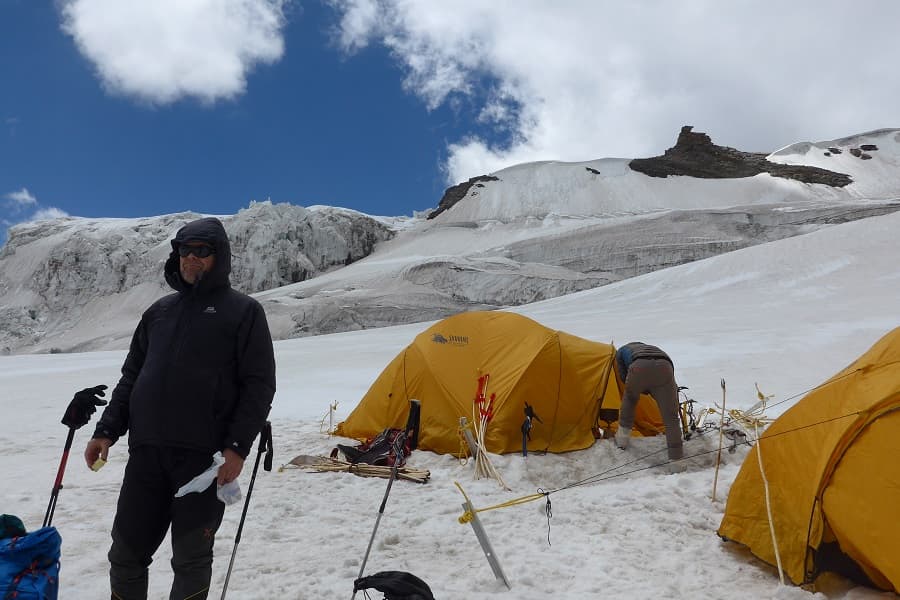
[[198, 379], [645, 369]]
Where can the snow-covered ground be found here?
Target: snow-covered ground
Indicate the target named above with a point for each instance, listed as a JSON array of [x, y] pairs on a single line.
[[785, 315]]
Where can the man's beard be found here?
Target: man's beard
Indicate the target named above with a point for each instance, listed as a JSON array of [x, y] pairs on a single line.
[[198, 276]]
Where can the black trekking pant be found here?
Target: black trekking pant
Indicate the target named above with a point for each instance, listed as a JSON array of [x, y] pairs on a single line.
[[147, 507]]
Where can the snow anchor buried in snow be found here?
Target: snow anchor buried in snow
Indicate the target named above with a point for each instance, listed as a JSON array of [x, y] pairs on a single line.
[[481, 534], [471, 516]]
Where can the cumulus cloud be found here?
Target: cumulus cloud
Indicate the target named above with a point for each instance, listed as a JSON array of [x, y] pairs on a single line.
[[583, 79], [18, 204], [165, 50], [20, 200], [46, 214]]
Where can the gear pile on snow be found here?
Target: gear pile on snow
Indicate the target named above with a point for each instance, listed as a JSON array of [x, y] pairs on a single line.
[[383, 450]]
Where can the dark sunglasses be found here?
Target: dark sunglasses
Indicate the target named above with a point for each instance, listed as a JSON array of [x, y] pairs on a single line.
[[198, 251]]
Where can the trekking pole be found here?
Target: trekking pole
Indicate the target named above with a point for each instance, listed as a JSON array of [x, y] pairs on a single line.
[[265, 445], [51, 507], [412, 425]]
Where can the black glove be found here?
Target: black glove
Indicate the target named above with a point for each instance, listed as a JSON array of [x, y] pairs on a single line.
[[83, 405]]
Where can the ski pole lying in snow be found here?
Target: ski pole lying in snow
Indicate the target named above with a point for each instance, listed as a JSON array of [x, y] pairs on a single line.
[[265, 445], [410, 432]]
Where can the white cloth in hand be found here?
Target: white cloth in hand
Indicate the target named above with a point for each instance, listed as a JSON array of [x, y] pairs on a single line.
[[229, 493], [204, 479]]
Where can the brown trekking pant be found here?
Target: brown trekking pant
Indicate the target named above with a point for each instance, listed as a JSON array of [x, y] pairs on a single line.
[[654, 376]]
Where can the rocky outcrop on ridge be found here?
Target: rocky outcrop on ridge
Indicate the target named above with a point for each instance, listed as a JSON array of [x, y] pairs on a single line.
[[695, 155], [455, 193]]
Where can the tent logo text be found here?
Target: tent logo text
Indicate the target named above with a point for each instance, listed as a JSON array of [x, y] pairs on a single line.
[[456, 340]]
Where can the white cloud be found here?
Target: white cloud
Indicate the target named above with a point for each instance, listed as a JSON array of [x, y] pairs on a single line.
[[359, 22], [583, 79], [45, 214], [20, 199], [17, 203], [164, 50]]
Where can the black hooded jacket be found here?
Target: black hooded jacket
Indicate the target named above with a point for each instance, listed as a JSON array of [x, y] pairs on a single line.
[[200, 372]]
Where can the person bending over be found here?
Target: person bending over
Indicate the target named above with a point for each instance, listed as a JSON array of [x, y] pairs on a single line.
[[646, 369]]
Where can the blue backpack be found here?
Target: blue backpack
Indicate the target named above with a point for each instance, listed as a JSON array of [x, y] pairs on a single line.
[[29, 565]]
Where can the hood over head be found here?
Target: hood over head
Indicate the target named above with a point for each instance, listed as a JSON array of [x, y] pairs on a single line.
[[208, 230]]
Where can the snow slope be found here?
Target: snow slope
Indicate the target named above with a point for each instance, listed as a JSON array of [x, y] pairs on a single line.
[[539, 231], [785, 315]]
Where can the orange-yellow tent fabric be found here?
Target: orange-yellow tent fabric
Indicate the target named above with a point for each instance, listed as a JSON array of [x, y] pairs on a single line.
[[833, 466], [566, 379]]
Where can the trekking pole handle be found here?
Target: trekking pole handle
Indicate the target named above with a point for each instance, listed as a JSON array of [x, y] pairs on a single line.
[[265, 444]]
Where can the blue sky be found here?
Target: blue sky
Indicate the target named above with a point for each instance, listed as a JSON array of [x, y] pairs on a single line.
[[317, 127], [114, 108]]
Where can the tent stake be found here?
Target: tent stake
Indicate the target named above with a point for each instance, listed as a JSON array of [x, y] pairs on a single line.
[[485, 544], [470, 441]]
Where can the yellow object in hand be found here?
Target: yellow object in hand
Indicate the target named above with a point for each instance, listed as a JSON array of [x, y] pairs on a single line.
[[98, 464]]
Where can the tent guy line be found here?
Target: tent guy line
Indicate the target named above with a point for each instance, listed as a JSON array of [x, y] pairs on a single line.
[[599, 476], [825, 383], [603, 475]]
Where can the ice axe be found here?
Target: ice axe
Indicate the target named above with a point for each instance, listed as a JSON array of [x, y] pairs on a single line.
[[265, 445], [411, 433], [527, 424]]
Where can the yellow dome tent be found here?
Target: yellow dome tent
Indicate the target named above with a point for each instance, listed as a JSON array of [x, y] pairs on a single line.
[[833, 466], [566, 379]]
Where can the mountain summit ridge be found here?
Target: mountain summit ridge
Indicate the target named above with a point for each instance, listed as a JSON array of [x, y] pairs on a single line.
[[529, 232]]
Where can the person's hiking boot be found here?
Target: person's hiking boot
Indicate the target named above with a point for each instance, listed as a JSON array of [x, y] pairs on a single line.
[[622, 436], [688, 463], [675, 466]]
